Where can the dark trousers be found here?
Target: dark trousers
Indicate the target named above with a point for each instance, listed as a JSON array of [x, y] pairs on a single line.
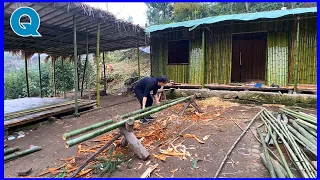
[[139, 96]]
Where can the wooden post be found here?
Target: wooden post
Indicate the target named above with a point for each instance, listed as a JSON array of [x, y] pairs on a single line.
[[26, 69], [138, 54], [296, 57], [104, 75], [75, 66], [98, 65], [54, 76], [62, 66], [203, 59], [40, 80], [79, 70]]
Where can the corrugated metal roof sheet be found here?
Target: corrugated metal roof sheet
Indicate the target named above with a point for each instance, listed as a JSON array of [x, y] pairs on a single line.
[[236, 17]]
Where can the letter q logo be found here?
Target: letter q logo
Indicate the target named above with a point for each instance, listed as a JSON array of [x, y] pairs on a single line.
[[25, 29]]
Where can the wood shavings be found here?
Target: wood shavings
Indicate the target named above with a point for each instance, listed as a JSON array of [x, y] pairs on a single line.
[[161, 157], [206, 137], [148, 172], [193, 136], [84, 172], [175, 170]]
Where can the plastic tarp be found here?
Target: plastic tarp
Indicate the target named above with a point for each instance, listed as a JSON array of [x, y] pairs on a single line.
[[235, 17]]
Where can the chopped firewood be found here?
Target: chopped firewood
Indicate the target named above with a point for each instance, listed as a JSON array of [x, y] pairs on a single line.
[[84, 172], [193, 136], [162, 157], [172, 153], [273, 105], [158, 175], [149, 171], [206, 137], [175, 170]]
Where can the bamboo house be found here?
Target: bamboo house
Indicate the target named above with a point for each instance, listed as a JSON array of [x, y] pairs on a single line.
[[274, 47]]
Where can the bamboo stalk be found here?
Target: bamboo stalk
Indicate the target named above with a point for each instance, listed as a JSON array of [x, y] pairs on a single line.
[[11, 150], [284, 162], [85, 129], [291, 152], [303, 132], [278, 171], [310, 130], [303, 139], [306, 124], [235, 143], [99, 132], [21, 153], [94, 155], [267, 156], [109, 121], [299, 115]]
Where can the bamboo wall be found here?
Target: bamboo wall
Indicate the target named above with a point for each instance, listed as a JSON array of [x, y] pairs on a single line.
[[218, 52]]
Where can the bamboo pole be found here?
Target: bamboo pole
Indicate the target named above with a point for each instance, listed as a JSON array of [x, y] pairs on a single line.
[[98, 64], [54, 77], [284, 162], [310, 130], [203, 57], [296, 57], [104, 74], [75, 66], [303, 139], [235, 143], [26, 69], [21, 153], [304, 132], [94, 155], [281, 135], [11, 150], [267, 155], [85, 129], [99, 132], [62, 66], [306, 124], [138, 55], [84, 74], [39, 66]]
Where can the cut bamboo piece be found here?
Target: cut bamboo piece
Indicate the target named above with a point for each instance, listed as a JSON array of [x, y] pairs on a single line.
[[99, 132], [86, 129], [149, 171], [303, 139], [21, 153], [310, 130], [275, 164], [11, 150]]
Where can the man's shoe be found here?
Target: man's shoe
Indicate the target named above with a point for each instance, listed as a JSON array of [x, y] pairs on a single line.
[[144, 121], [150, 118]]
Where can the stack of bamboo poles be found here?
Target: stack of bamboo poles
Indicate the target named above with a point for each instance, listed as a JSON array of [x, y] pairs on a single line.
[[296, 131], [13, 153], [35, 110], [136, 115]]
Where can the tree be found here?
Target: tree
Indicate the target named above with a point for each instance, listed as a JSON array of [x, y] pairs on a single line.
[[190, 11], [159, 13], [130, 19]]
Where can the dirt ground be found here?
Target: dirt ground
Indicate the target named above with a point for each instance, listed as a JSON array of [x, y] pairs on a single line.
[[244, 160]]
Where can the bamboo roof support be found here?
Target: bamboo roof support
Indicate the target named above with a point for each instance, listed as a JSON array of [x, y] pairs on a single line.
[[296, 57], [75, 67], [98, 64]]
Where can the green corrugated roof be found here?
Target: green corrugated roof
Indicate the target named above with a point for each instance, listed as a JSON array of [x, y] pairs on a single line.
[[237, 17]]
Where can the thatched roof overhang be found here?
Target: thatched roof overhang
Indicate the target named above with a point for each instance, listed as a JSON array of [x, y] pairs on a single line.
[[56, 29]]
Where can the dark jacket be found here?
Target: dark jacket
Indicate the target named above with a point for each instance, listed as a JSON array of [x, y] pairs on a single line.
[[147, 84]]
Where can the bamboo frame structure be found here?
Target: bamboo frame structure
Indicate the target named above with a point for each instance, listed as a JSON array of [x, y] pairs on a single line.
[[104, 74], [62, 66], [98, 64]]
